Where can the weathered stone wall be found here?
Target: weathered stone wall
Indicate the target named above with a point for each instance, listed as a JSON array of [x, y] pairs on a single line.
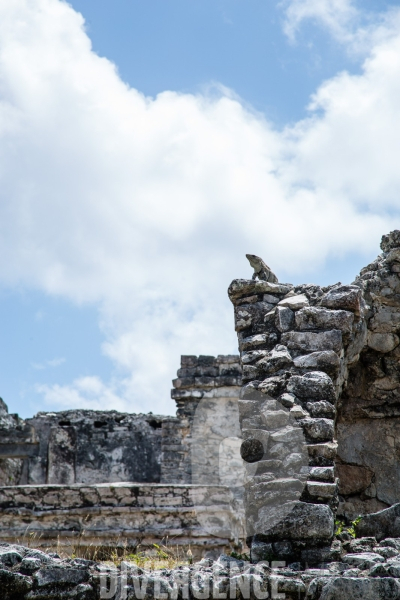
[[86, 446], [124, 514], [307, 351], [206, 392], [368, 424], [70, 458]]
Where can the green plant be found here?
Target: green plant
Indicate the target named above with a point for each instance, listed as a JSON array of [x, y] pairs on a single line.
[[352, 530], [341, 527]]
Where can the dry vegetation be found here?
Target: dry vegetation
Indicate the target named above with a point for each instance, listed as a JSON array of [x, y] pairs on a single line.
[[163, 556]]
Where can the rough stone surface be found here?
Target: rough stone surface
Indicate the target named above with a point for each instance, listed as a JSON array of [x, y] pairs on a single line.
[[363, 576], [336, 360], [206, 517]]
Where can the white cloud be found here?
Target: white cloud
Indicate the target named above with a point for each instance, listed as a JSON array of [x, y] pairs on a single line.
[[346, 21], [146, 207], [337, 16], [84, 392]]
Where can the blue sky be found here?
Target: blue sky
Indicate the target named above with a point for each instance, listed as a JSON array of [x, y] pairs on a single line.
[[119, 248]]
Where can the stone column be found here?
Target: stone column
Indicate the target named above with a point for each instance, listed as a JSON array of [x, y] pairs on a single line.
[[296, 345], [207, 387]]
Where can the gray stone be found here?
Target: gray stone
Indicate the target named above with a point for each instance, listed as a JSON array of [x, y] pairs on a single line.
[[287, 400], [261, 551], [274, 419], [321, 409], [301, 342], [320, 430], [346, 588], [312, 386], [270, 299], [297, 412], [288, 434], [383, 342], [246, 287], [253, 356], [364, 560], [295, 302], [312, 318], [327, 360], [383, 524], [321, 490], [347, 297], [29, 566], [323, 474], [253, 341], [279, 358], [305, 522], [284, 318], [390, 241]]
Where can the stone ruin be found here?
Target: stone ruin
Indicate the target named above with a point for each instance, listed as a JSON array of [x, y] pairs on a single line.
[[320, 405], [108, 479], [292, 451]]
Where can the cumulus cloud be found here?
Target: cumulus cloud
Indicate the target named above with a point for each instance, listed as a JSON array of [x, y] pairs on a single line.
[[145, 207]]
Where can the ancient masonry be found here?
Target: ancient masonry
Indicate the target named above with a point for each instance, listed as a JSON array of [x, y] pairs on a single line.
[[114, 479], [320, 405], [317, 426]]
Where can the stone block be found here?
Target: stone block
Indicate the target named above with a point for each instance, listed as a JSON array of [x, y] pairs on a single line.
[[253, 356], [319, 430], [284, 318], [279, 358], [302, 342], [295, 302], [321, 490], [322, 474], [316, 385], [386, 320], [347, 297], [321, 409], [253, 341], [325, 361], [288, 434], [383, 342], [249, 287], [322, 453], [304, 522], [312, 317], [274, 419]]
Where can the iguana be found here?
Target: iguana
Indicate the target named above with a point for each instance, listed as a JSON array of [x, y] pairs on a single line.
[[261, 270]]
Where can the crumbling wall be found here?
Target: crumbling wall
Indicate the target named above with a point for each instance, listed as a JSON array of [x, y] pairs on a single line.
[[121, 515], [18, 444], [206, 392], [86, 446], [296, 345], [308, 351], [368, 423]]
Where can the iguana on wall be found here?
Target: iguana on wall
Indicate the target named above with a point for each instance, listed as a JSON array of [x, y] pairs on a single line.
[[261, 270]]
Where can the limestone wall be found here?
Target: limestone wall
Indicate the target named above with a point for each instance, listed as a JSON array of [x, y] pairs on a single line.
[[124, 514]]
